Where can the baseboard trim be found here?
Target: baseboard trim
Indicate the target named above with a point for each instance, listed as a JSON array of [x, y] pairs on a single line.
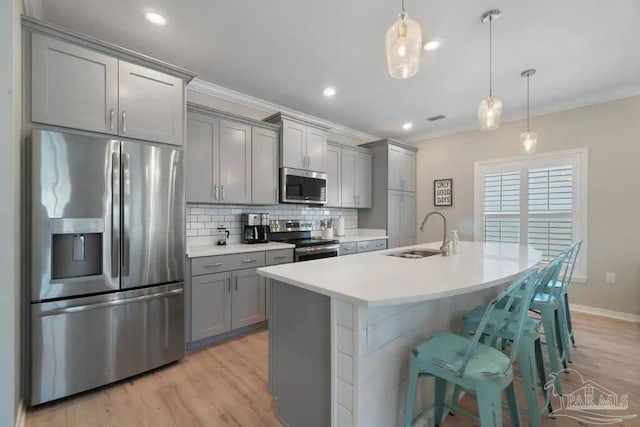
[[21, 414], [606, 313]]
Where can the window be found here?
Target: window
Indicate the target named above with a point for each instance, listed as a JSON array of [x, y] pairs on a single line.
[[539, 200]]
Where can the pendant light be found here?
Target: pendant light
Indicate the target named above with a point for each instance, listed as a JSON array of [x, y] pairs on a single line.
[[404, 47], [529, 139], [490, 110]]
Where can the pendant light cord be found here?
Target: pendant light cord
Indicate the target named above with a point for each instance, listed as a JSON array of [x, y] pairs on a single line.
[[528, 103], [490, 57], [402, 12]]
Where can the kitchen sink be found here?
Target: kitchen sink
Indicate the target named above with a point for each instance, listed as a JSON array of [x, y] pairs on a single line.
[[416, 253]]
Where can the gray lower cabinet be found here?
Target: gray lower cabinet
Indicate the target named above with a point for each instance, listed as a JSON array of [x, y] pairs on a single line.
[[210, 305], [363, 246], [401, 217], [348, 248], [249, 298]]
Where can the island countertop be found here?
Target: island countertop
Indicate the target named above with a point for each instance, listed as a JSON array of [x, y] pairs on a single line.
[[375, 279]]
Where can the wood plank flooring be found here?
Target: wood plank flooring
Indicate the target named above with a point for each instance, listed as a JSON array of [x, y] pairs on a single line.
[[226, 385]]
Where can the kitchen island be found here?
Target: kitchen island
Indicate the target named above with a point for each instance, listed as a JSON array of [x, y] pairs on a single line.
[[341, 329]]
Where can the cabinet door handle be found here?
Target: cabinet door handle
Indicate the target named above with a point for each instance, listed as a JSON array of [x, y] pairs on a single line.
[[224, 193], [236, 284], [124, 122], [280, 257], [216, 192], [229, 285], [247, 261], [112, 114]]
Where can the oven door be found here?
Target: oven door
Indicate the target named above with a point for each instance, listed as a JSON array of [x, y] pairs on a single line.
[[301, 186], [316, 252]]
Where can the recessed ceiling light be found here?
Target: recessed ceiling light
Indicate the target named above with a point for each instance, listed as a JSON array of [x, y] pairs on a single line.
[[329, 91], [407, 126], [433, 44], [155, 18]]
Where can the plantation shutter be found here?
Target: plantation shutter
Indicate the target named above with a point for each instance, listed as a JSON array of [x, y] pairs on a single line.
[[501, 207], [550, 209]]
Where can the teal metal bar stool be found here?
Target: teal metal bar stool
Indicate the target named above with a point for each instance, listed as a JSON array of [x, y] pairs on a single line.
[[529, 355], [565, 283], [475, 366]]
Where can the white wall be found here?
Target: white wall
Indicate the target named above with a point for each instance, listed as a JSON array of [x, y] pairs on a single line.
[[611, 132], [10, 119]]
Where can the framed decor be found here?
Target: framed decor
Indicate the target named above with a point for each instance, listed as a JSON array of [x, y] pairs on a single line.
[[443, 192]]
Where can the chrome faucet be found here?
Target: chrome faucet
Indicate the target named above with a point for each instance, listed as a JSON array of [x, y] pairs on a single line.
[[444, 249]]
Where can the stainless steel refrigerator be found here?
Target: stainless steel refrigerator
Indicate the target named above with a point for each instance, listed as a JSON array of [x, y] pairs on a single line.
[[107, 253]]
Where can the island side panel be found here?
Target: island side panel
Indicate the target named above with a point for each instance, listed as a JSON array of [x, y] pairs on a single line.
[[344, 373], [384, 339], [300, 355]]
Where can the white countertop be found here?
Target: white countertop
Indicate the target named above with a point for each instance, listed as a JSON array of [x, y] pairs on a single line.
[[374, 279], [234, 248]]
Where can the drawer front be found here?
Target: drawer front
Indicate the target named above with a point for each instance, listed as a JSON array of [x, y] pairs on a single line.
[[348, 248], [220, 263], [281, 256], [372, 245]]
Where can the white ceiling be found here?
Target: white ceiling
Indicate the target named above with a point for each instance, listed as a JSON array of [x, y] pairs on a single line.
[[286, 51]]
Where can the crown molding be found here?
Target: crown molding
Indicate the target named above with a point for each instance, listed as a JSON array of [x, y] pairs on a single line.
[[32, 8], [217, 91], [599, 98]]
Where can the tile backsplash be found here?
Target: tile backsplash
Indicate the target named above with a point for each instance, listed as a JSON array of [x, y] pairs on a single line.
[[203, 219]]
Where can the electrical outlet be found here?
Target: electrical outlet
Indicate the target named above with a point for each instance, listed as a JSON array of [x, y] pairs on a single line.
[[373, 338], [610, 278]]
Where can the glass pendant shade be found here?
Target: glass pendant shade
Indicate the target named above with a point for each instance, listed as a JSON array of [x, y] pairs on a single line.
[[404, 46], [490, 113], [529, 141]]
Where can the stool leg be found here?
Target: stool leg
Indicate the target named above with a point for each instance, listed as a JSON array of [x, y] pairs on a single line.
[[559, 338], [527, 356], [512, 402], [412, 383], [440, 393], [569, 322], [552, 343], [542, 375], [563, 330], [490, 407], [455, 398]]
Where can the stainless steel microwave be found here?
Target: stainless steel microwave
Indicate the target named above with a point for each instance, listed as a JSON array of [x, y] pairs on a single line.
[[302, 186]]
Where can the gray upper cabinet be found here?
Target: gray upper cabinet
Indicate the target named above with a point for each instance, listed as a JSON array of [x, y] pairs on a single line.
[[235, 162], [72, 86], [334, 186], [210, 305], [364, 170], [402, 169], [230, 161], [264, 167], [348, 178], [393, 204], [294, 137], [303, 145], [249, 298], [80, 88], [356, 169], [316, 149], [151, 104], [202, 158]]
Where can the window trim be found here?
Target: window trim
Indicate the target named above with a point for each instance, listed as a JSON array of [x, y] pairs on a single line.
[[579, 158]]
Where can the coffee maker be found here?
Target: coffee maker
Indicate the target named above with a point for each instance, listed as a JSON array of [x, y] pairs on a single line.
[[256, 228]]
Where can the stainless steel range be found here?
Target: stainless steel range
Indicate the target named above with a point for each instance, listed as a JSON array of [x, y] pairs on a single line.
[[299, 233]]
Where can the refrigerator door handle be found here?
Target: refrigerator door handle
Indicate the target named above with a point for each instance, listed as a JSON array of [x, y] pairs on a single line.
[[115, 214], [99, 305], [126, 202]]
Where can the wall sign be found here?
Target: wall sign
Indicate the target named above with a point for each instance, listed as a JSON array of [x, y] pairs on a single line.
[[443, 192]]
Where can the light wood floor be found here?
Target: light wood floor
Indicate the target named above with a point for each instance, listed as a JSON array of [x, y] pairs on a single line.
[[226, 385]]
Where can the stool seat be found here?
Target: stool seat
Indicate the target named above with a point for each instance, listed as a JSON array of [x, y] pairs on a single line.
[[447, 349]]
